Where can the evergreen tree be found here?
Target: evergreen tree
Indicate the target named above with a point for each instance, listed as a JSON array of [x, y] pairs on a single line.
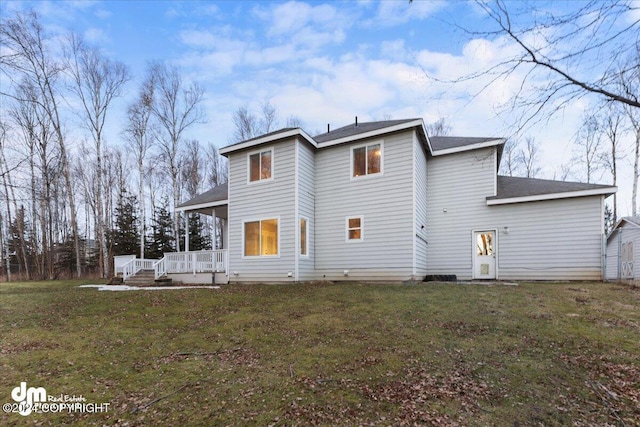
[[161, 239], [197, 240], [609, 219], [126, 236], [65, 259]]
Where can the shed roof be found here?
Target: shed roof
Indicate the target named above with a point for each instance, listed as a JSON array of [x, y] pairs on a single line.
[[512, 189], [632, 219]]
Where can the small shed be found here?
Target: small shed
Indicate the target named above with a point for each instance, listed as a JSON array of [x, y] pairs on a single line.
[[623, 249]]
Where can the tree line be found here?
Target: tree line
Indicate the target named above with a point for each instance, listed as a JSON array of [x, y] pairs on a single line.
[[69, 204]]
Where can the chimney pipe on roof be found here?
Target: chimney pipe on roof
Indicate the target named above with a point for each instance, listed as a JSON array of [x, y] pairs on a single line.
[[328, 127], [356, 120]]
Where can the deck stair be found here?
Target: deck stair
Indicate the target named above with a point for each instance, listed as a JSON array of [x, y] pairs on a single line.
[[147, 278]]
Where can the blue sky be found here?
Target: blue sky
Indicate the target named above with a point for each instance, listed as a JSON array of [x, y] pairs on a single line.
[[323, 62]]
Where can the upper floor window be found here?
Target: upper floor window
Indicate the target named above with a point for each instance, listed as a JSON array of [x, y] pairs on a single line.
[[261, 165], [366, 160]]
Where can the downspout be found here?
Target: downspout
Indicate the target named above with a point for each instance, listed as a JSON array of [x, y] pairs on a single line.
[[603, 256]]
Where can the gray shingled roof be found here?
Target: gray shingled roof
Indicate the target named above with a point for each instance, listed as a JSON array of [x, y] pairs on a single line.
[[446, 142], [216, 194], [275, 132], [353, 129], [511, 186]]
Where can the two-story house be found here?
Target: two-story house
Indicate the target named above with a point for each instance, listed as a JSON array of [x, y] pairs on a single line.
[[383, 201]]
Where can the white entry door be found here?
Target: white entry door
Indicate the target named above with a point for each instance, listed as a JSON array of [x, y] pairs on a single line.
[[484, 261]]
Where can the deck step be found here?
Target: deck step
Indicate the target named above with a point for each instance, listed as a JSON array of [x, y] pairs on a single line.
[[147, 278]]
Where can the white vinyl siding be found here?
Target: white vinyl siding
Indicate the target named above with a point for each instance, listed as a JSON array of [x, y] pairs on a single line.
[[421, 220], [306, 206], [559, 239], [385, 202], [270, 199], [629, 235]]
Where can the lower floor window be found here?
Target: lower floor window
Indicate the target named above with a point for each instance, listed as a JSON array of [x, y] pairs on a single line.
[[354, 228], [261, 237]]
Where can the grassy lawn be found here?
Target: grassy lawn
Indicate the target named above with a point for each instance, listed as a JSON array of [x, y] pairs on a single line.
[[429, 354]]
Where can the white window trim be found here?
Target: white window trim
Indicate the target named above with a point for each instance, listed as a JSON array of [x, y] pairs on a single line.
[[307, 236], [346, 229], [251, 153], [266, 218], [367, 175]]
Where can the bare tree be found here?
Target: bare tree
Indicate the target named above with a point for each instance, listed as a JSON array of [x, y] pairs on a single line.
[[30, 59], [248, 125], [528, 158], [610, 122], [192, 174], [555, 51], [269, 115], [510, 164], [294, 122], [439, 128], [564, 171], [4, 171], [140, 136], [176, 107], [588, 141], [216, 166], [629, 84], [96, 81]]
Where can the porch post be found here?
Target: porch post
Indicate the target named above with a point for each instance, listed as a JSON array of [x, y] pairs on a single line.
[[214, 235], [186, 231]]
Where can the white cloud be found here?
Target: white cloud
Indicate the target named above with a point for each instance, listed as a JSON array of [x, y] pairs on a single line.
[[96, 36], [290, 17], [392, 13], [394, 49], [306, 26]]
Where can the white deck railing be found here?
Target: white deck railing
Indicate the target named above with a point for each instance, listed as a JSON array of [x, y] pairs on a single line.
[[132, 267], [180, 262], [192, 262]]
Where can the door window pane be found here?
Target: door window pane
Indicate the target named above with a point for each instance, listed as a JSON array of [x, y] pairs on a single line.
[[484, 244]]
